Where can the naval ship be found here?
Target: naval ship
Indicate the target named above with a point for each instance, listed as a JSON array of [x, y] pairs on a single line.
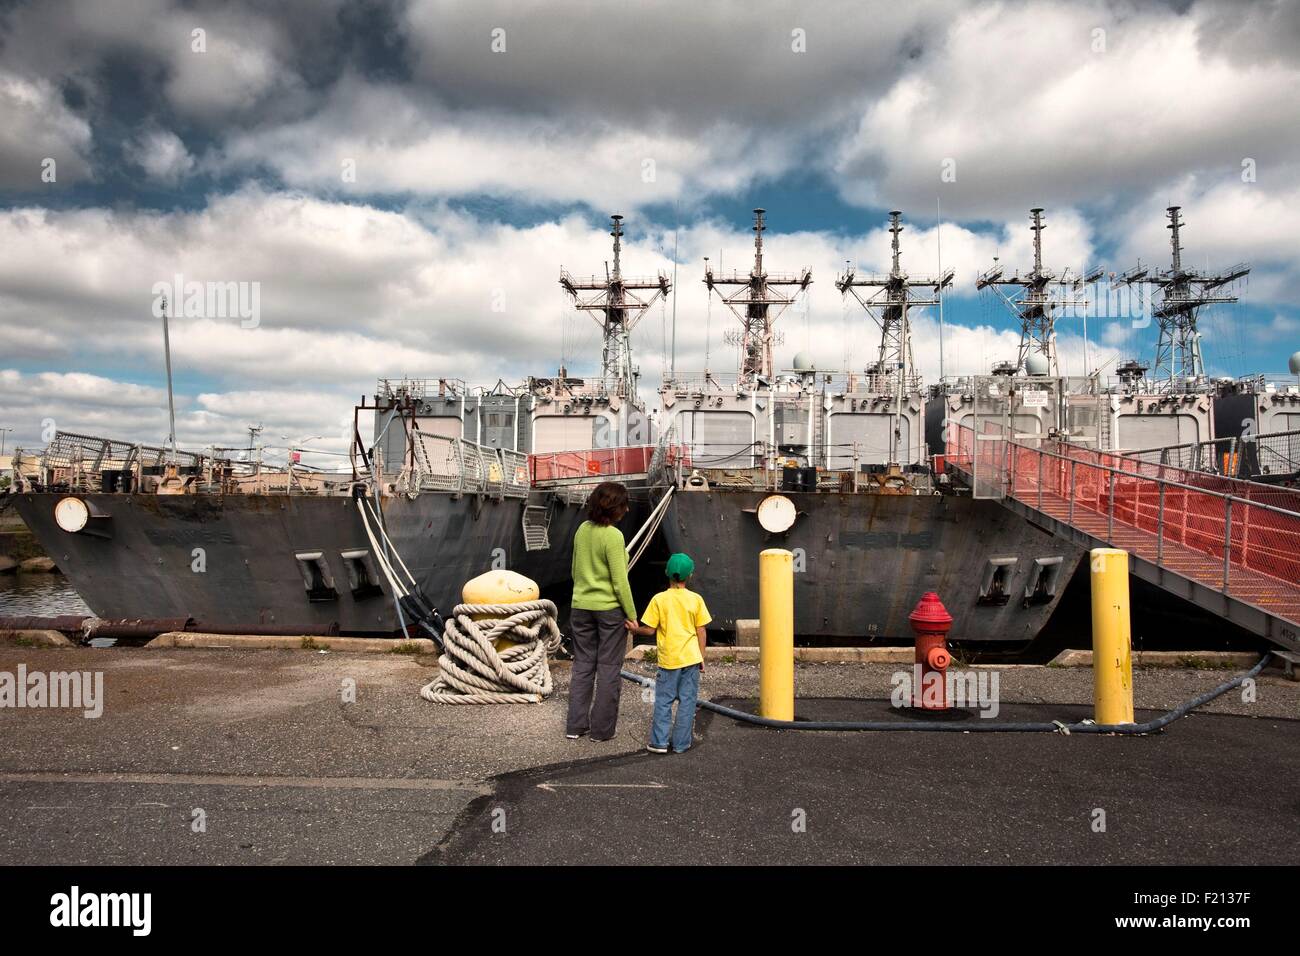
[[834, 466], [846, 468], [453, 481], [1168, 412]]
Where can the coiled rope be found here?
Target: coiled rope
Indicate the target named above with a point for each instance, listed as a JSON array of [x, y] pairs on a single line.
[[472, 671]]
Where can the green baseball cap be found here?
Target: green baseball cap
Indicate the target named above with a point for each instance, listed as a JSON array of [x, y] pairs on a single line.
[[680, 567]]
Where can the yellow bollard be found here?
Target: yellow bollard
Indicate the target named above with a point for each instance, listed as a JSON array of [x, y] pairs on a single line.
[[499, 587], [1112, 642], [776, 634]]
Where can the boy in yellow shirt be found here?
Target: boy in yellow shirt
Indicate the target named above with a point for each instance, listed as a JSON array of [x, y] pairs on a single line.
[[677, 618]]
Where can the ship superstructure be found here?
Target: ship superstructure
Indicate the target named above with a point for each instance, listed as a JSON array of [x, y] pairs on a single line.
[[605, 412], [834, 466], [879, 417], [453, 480], [547, 414], [757, 417], [1181, 295], [617, 303], [1035, 300], [842, 466], [1029, 395], [1174, 403], [1134, 405], [757, 299]]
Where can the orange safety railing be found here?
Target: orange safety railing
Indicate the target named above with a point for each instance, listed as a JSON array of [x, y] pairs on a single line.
[[1288, 499], [1237, 536], [590, 463]]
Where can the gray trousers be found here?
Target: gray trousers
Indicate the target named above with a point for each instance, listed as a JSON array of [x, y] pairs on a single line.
[[599, 644]]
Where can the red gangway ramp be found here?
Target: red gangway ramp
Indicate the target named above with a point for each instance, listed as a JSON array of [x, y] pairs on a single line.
[[1230, 546]]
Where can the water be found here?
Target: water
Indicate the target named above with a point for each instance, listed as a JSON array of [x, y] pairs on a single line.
[[40, 595]]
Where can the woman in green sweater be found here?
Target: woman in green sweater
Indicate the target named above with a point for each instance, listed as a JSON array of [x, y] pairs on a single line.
[[602, 613]]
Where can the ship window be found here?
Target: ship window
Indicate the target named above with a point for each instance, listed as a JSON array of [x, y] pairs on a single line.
[[316, 577], [995, 587], [363, 578], [1043, 578]]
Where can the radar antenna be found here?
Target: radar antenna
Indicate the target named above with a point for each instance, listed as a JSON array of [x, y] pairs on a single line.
[[618, 304], [757, 299]]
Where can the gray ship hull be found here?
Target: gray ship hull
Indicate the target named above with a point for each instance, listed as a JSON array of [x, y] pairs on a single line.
[[867, 559], [143, 562]]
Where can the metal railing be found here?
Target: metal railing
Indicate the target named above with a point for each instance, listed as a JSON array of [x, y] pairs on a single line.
[[736, 277], [1214, 530], [1276, 495], [395, 388], [1269, 453], [94, 454], [601, 281], [756, 465], [460, 467], [1276, 453]]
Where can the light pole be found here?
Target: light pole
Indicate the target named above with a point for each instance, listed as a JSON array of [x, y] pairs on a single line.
[[2, 440], [171, 401]]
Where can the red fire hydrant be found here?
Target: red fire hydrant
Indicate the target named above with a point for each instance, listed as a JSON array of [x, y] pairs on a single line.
[[931, 621]]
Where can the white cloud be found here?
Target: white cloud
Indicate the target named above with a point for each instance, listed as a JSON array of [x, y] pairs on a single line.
[[162, 155], [1020, 95], [36, 126], [1224, 223], [1031, 111], [245, 59], [370, 139], [79, 387], [351, 293]]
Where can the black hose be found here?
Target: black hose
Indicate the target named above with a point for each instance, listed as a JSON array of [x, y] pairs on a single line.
[[1052, 727]]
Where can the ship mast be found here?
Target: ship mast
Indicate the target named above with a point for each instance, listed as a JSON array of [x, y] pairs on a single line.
[[618, 303], [1033, 303], [888, 299], [1183, 294], [757, 299]]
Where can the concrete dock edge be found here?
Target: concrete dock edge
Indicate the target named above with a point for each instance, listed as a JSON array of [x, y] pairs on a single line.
[[36, 638], [1178, 659], [370, 645]]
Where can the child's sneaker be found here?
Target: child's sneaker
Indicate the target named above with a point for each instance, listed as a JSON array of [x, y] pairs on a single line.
[[656, 750]]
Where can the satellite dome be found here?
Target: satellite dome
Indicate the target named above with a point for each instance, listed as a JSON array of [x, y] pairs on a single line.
[[803, 362], [1036, 363], [1293, 363]]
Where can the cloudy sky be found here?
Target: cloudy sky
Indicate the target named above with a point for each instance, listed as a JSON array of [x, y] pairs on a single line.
[[400, 182]]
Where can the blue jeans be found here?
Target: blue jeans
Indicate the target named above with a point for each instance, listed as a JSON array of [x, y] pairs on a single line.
[[682, 684]]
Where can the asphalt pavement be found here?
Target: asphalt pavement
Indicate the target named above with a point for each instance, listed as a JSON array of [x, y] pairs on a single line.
[[230, 757]]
